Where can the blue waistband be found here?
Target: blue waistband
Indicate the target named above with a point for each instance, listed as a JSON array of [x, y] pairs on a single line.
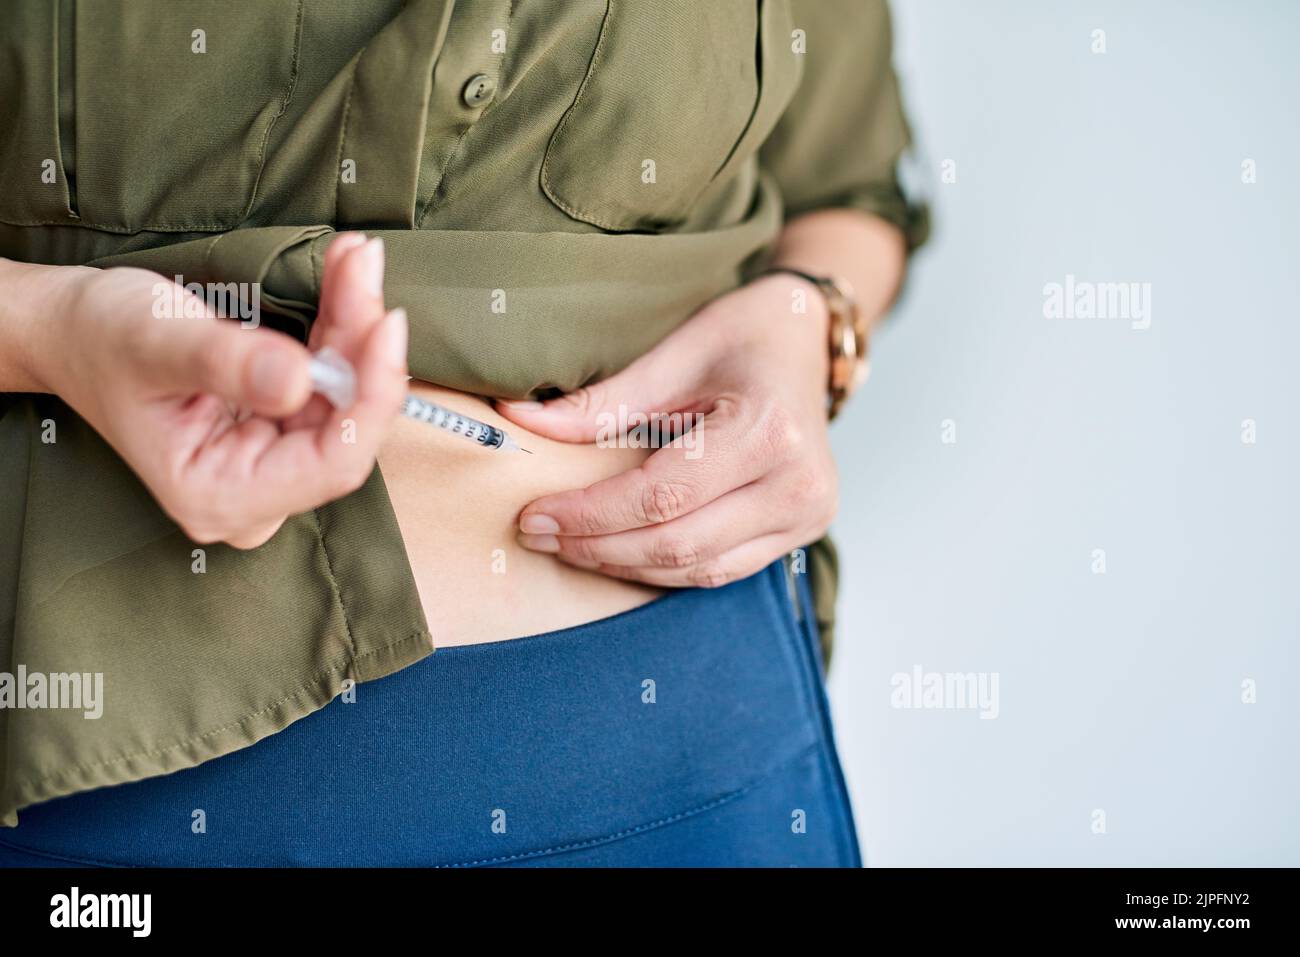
[[498, 752]]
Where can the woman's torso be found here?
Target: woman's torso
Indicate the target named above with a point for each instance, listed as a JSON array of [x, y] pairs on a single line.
[[617, 143]]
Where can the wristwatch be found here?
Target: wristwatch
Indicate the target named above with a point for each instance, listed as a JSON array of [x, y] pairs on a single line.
[[848, 336]]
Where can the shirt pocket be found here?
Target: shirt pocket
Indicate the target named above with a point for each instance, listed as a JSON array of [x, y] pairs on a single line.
[[165, 114], [678, 95]]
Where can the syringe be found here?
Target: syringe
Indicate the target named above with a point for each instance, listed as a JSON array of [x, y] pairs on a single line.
[[333, 377], [486, 435]]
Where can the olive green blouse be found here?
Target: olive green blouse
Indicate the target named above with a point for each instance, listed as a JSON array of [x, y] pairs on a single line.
[[606, 166]]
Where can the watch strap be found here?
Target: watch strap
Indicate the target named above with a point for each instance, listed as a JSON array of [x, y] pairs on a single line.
[[848, 344]]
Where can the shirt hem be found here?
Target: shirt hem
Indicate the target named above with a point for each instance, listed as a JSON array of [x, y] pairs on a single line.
[[314, 695]]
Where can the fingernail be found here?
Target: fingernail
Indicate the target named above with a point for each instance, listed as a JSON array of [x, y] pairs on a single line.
[[269, 375], [540, 543], [346, 241], [372, 256], [521, 403], [396, 333], [535, 524]]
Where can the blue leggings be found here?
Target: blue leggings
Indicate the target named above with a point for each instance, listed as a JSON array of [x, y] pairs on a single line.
[[690, 731]]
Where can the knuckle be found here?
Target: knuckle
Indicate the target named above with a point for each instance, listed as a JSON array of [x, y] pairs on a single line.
[[726, 408], [779, 433], [798, 494], [585, 400], [815, 490], [662, 501], [587, 515], [709, 575], [674, 553], [810, 488]]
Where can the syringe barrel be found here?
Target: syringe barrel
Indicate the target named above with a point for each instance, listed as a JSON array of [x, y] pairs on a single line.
[[453, 422]]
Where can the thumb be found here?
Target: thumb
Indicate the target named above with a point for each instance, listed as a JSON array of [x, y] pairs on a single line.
[[644, 387], [258, 369]]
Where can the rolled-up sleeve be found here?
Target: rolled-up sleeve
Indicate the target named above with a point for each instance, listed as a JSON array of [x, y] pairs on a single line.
[[843, 136]]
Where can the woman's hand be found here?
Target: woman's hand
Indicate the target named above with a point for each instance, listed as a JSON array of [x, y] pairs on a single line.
[[220, 421], [753, 480]]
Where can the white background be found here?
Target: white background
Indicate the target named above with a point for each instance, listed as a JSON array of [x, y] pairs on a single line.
[[1122, 691]]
